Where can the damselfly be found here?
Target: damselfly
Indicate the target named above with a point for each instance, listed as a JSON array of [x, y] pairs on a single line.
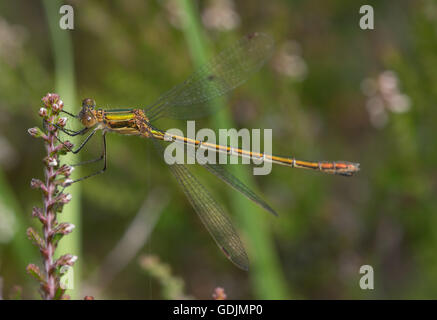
[[189, 100]]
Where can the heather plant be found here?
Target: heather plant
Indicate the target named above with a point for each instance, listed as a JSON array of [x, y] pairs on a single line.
[[56, 176]]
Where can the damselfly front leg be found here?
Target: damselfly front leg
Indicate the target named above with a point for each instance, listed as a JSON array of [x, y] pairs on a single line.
[[70, 132], [76, 133], [73, 133], [102, 157]]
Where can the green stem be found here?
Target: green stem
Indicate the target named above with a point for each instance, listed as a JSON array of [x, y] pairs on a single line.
[[266, 275]]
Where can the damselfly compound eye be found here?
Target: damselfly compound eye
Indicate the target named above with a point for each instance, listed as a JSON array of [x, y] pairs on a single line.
[[89, 103]]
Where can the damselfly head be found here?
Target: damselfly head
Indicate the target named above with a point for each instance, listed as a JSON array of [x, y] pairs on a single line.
[[87, 114], [88, 103]]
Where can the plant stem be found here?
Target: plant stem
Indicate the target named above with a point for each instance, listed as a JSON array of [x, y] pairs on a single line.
[[53, 202], [49, 215]]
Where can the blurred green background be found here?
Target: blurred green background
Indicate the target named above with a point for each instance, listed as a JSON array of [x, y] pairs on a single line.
[[331, 91]]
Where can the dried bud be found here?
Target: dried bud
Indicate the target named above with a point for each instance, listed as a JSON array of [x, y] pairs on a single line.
[[35, 238], [63, 198], [37, 213], [36, 132], [68, 197], [68, 145], [43, 112], [66, 260], [67, 183], [65, 170], [64, 228], [62, 122], [51, 161], [61, 230], [36, 183], [35, 272], [56, 108]]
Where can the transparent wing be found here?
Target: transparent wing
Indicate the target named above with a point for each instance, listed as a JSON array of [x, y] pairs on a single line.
[[226, 71], [211, 214], [220, 171]]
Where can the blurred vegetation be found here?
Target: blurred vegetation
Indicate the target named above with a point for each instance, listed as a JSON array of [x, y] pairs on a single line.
[[331, 91]]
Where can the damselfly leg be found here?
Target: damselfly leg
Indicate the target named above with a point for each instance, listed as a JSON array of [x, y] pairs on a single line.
[[102, 157]]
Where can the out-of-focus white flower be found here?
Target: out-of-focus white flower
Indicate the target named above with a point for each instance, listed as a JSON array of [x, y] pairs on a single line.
[[388, 82], [384, 96], [174, 13], [221, 15], [289, 61], [399, 103]]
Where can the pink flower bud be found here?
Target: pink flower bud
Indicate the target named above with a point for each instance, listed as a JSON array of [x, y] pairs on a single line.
[[50, 99], [38, 184], [37, 213], [63, 198], [68, 145], [64, 228], [43, 112], [33, 132], [66, 260], [36, 132], [67, 183], [62, 122], [35, 183], [51, 161], [65, 170], [69, 227]]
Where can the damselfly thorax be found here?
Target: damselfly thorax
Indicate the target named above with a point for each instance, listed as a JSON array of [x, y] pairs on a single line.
[[122, 121]]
